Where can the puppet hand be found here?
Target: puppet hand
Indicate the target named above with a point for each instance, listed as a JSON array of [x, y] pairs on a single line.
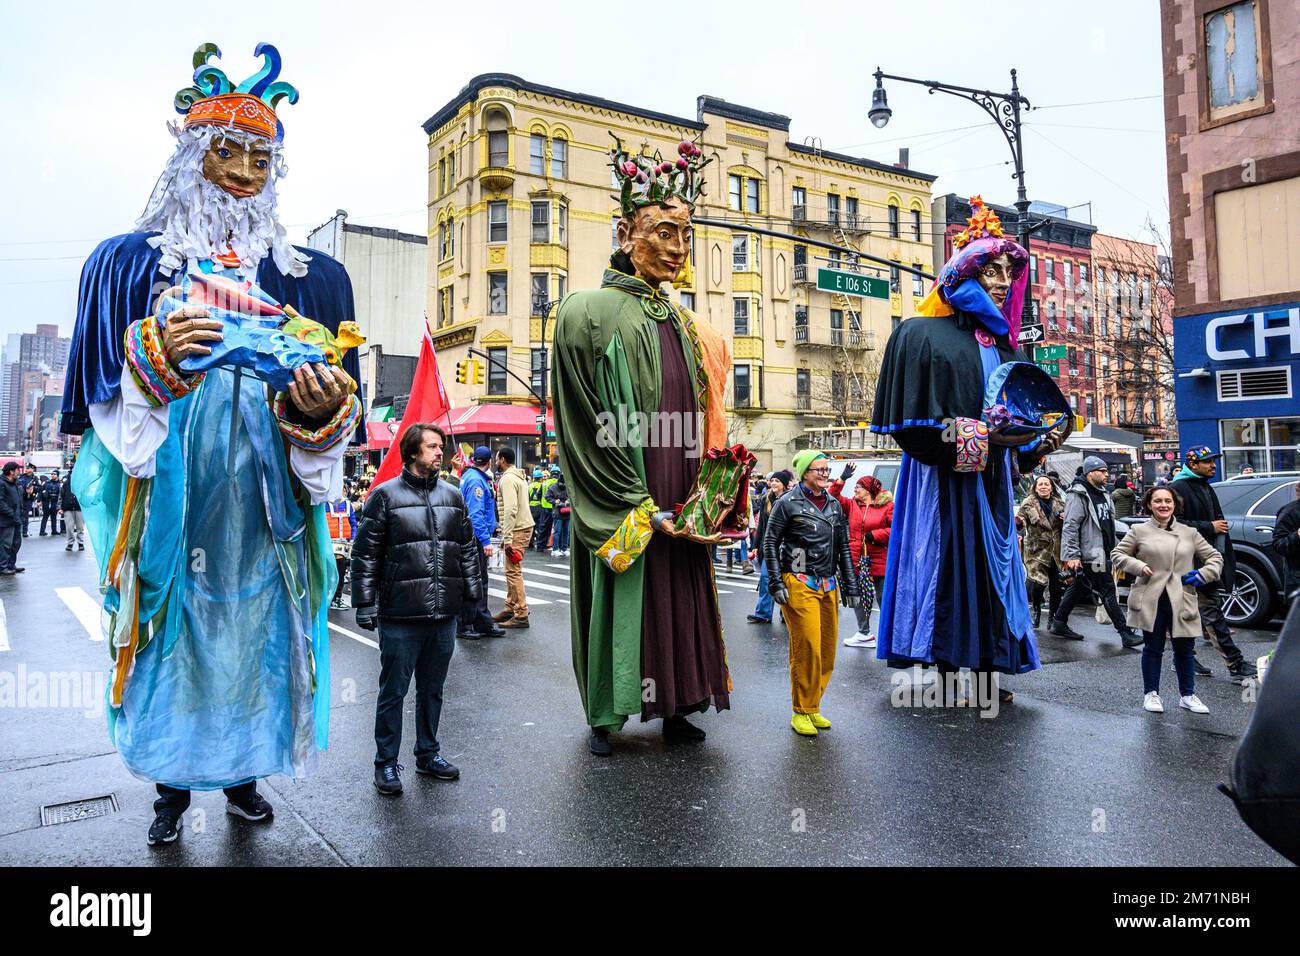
[[1000, 437], [1050, 443], [185, 330], [318, 390]]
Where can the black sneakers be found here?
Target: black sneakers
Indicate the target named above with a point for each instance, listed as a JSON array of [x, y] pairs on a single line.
[[1060, 628], [599, 743], [1131, 639], [1242, 671], [437, 767], [166, 828], [388, 779], [1201, 669], [678, 727], [250, 807]]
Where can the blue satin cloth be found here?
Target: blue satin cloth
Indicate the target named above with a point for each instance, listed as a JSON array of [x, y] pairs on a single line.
[[951, 595], [223, 693], [120, 283]]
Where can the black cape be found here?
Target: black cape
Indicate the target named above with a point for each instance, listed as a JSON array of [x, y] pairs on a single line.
[[120, 283]]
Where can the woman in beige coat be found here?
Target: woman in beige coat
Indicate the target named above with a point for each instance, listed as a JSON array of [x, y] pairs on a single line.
[[1162, 555]]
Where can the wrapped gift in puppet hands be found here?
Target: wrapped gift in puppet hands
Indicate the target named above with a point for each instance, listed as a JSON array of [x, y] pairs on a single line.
[[717, 509], [210, 321]]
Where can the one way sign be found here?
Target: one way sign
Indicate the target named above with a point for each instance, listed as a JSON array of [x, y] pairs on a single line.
[[1030, 334]]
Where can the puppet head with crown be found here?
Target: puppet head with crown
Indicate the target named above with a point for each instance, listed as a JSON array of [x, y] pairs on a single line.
[[218, 192], [985, 276], [657, 198]]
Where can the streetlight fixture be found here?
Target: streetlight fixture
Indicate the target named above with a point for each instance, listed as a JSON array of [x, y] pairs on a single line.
[[1005, 110], [542, 305]]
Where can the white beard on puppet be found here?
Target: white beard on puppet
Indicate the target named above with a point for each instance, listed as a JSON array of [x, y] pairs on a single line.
[[198, 219]]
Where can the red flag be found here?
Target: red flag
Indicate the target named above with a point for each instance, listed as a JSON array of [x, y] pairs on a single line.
[[428, 403]]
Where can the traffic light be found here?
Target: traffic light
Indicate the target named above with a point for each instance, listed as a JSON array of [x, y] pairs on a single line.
[[462, 371], [477, 368]]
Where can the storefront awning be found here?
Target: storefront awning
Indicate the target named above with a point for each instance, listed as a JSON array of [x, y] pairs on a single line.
[[379, 435], [496, 419]]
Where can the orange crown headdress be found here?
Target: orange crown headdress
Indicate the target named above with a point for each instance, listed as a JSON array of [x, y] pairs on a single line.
[[982, 225], [249, 106]]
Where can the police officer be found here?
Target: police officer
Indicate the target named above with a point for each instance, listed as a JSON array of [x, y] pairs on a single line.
[[480, 501]]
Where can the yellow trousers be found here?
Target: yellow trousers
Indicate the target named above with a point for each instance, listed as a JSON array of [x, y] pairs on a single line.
[[813, 620], [516, 600]]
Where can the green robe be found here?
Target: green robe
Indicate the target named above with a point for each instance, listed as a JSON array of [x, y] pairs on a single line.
[[606, 369]]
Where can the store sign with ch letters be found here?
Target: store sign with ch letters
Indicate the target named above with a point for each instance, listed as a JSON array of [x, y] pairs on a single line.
[[1265, 326]]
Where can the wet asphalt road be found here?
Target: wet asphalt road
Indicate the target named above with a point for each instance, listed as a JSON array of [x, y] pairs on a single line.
[[1073, 773]]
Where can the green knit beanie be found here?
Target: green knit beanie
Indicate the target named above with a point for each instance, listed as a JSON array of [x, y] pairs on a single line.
[[803, 459]]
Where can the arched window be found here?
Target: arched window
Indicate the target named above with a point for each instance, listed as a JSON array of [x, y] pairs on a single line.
[[498, 138]]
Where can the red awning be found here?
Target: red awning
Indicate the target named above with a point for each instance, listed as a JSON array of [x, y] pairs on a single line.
[[379, 435], [497, 419]]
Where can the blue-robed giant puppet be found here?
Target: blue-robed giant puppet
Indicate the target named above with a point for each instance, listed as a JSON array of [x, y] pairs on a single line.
[[209, 378], [954, 591]]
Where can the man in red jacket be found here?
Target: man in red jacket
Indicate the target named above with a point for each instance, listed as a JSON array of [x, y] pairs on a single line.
[[870, 512]]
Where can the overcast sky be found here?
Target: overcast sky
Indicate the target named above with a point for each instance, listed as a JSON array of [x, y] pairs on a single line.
[[88, 87]]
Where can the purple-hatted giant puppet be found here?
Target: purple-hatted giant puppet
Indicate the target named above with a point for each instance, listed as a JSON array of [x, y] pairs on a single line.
[[210, 379], [954, 591]]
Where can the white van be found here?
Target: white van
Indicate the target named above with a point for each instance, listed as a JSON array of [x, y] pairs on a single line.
[[886, 469]]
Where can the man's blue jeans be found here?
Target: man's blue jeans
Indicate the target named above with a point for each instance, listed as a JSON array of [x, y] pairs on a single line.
[[422, 648], [765, 603]]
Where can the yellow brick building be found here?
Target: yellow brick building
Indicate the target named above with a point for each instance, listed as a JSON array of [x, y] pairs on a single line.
[[521, 203]]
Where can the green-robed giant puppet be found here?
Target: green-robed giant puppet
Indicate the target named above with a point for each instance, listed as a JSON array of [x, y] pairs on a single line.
[[637, 384]]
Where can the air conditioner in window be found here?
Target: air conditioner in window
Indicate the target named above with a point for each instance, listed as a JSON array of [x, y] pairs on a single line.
[[1073, 372]]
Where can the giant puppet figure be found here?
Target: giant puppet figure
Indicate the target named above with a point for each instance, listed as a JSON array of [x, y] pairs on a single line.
[[207, 376], [954, 592], [637, 384]]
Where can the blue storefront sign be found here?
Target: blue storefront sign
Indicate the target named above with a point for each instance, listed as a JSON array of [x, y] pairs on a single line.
[[1236, 380]]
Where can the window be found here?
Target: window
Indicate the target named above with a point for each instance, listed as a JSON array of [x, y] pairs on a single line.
[[1089, 408], [739, 253], [851, 212], [734, 186], [497, 301], [834, 257], [446, 303], [1069, 317], [1087, 320], [1123, 409], [1051, 315], [498, 148], [916, 224], [451, 170], [1265, 444], [1234, 61], [496, 222], [1103, 324], [687, 300], [800, 256], [539, 288], [613, 233], [537, 154], [1105, 366], [541, 221], [741, 391], [535, 379], [751, 195], [833, 208], [1146, 293], [1067, 273], [442, 241], [799, 202], [895, 280], [740, 316], [894, 322], [1083, 274], [1033, 310], [837, 327], [803, 388], [496, 371], [893, 221], [561, 287], [838, 392], [1088, 357], [1070, 353], [1074, 402], [1050, 265], [918, 284], [442, 176], [1033, 270], [562, 223], [559, 158], [1106, 404]]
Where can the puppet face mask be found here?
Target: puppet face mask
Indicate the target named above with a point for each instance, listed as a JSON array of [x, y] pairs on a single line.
[[240, 169], [657, 241], [995, 277]]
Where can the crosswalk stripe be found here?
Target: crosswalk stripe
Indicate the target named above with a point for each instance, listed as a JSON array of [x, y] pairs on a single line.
[[4, 629], [494, 592], [355, 636], [532, 584], [85, 608], [546, 574]]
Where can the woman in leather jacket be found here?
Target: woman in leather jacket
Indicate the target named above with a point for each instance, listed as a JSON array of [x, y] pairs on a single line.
[[806, 548]]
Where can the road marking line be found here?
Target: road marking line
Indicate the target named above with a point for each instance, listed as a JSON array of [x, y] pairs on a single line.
[[494, 592], [533, 584], [86, 609], [562, 601], [545, 574], [354, 636], [720, 591], [4, 629]]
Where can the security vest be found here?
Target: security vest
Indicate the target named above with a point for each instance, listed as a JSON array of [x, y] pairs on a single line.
[[546, 486], [534, 494]]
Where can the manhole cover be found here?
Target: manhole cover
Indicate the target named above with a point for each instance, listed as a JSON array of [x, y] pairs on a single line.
[[75, 810]]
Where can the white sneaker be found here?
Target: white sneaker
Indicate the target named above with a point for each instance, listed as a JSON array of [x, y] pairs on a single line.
[[1152, 703], [1193, 703], [860, 640]]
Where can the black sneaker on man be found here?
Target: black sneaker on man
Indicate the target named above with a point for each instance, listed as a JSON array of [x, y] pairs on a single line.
[[166, 828], [678, 727], [1242, 671], [1131, 639], [1060, 628], [437, 766], [388, 779], [1201, 669], [599, 743], [250, 806]]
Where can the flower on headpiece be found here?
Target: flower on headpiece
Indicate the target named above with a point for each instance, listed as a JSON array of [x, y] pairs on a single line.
[[651, 180], [984, 223]]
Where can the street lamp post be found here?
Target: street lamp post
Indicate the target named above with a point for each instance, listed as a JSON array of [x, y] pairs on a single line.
[[542, 306], [1005, 110]]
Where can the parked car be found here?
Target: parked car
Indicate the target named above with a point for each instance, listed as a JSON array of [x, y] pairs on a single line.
[[886, 469], [1250, 506]]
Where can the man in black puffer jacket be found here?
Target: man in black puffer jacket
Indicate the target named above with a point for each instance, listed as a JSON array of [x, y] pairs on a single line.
[[414, 563]]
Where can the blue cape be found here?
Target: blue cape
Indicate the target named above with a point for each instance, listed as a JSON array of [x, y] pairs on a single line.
[[119, 284]]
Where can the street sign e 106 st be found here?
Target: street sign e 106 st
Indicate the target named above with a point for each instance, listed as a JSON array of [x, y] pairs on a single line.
[[851, 283], [1052, 368]]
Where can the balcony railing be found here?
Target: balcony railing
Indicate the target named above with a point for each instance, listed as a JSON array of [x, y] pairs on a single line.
[[803, 402], [801, 335], [802, 273], [799, 213]]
